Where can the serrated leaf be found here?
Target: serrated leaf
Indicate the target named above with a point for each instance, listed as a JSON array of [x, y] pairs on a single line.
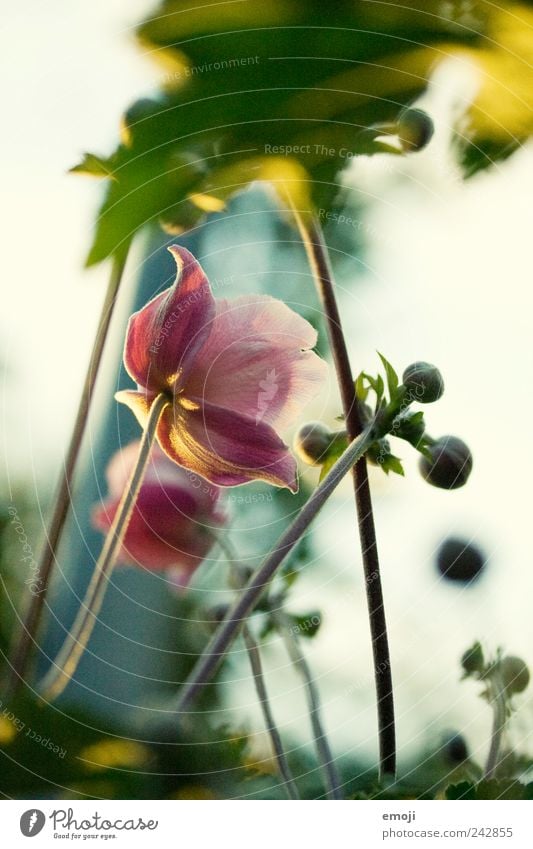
[[392, 377]]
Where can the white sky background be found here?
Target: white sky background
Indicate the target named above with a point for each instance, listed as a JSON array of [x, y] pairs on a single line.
[[448, 281]]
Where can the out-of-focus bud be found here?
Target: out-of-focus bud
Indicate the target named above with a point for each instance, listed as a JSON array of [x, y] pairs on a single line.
[[515, 674], [458, 560], [415, 129], [450, 463], [473, 660], [136, 118], [313, 441], [455, 749], [424, 382]]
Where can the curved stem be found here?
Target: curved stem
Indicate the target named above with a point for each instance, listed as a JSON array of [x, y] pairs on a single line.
[[317, 254], [25, 639], [262, 694], [498, 726], [75, 643], [325, 756], [219, 644]]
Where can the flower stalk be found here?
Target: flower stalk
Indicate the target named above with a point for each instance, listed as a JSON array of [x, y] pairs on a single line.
[[75, 643], [26, 638], [219, 644], [317, 254]]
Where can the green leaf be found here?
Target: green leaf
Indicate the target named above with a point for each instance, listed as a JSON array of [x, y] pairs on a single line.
[[306, 624], [292, 98], [392, 377], [390, 463]]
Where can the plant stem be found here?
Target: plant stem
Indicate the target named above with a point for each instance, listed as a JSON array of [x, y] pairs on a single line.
[[75, 643], [292, 643], [498, 725], [217, 647], [262, 694], [25, 638], [317, 254], [290, 639]]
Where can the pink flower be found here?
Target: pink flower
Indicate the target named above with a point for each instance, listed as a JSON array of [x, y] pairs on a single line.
[[236, 372], [175, 519]]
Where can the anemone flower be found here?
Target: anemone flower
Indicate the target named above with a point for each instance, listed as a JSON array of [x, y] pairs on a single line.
[[175, 519], [236, 373]]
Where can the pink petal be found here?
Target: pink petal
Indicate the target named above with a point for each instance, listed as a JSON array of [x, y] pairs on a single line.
[[257, 361], [224, 446], [164, 337]]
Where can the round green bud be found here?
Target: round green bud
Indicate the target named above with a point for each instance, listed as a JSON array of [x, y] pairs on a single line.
[[455, 749], [415, 129], [515, 674], [458, 560], [424, 382], [473, 661], [449, 465], [312, 443]]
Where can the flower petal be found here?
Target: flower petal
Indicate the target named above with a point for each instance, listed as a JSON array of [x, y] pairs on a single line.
[[224, 446], [164, 337], [257, 361]]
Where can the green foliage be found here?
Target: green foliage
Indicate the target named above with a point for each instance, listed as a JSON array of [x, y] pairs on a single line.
[[291, 99]]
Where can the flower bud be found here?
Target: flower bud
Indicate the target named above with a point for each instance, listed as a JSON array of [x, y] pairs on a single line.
[[424, 382], [473, 661], [458, 560], [414, 128], [450, 464], [312, 443], [515, 674]]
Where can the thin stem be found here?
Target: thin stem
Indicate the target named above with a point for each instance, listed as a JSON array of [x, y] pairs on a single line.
[[325, 756], [219, 644], [26, 637], [75, 643], [498, 726], [317, 254], [262, 694]]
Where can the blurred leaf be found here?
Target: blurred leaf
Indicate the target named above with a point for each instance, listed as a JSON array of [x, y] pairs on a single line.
[[493, 789], [292, 99]]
